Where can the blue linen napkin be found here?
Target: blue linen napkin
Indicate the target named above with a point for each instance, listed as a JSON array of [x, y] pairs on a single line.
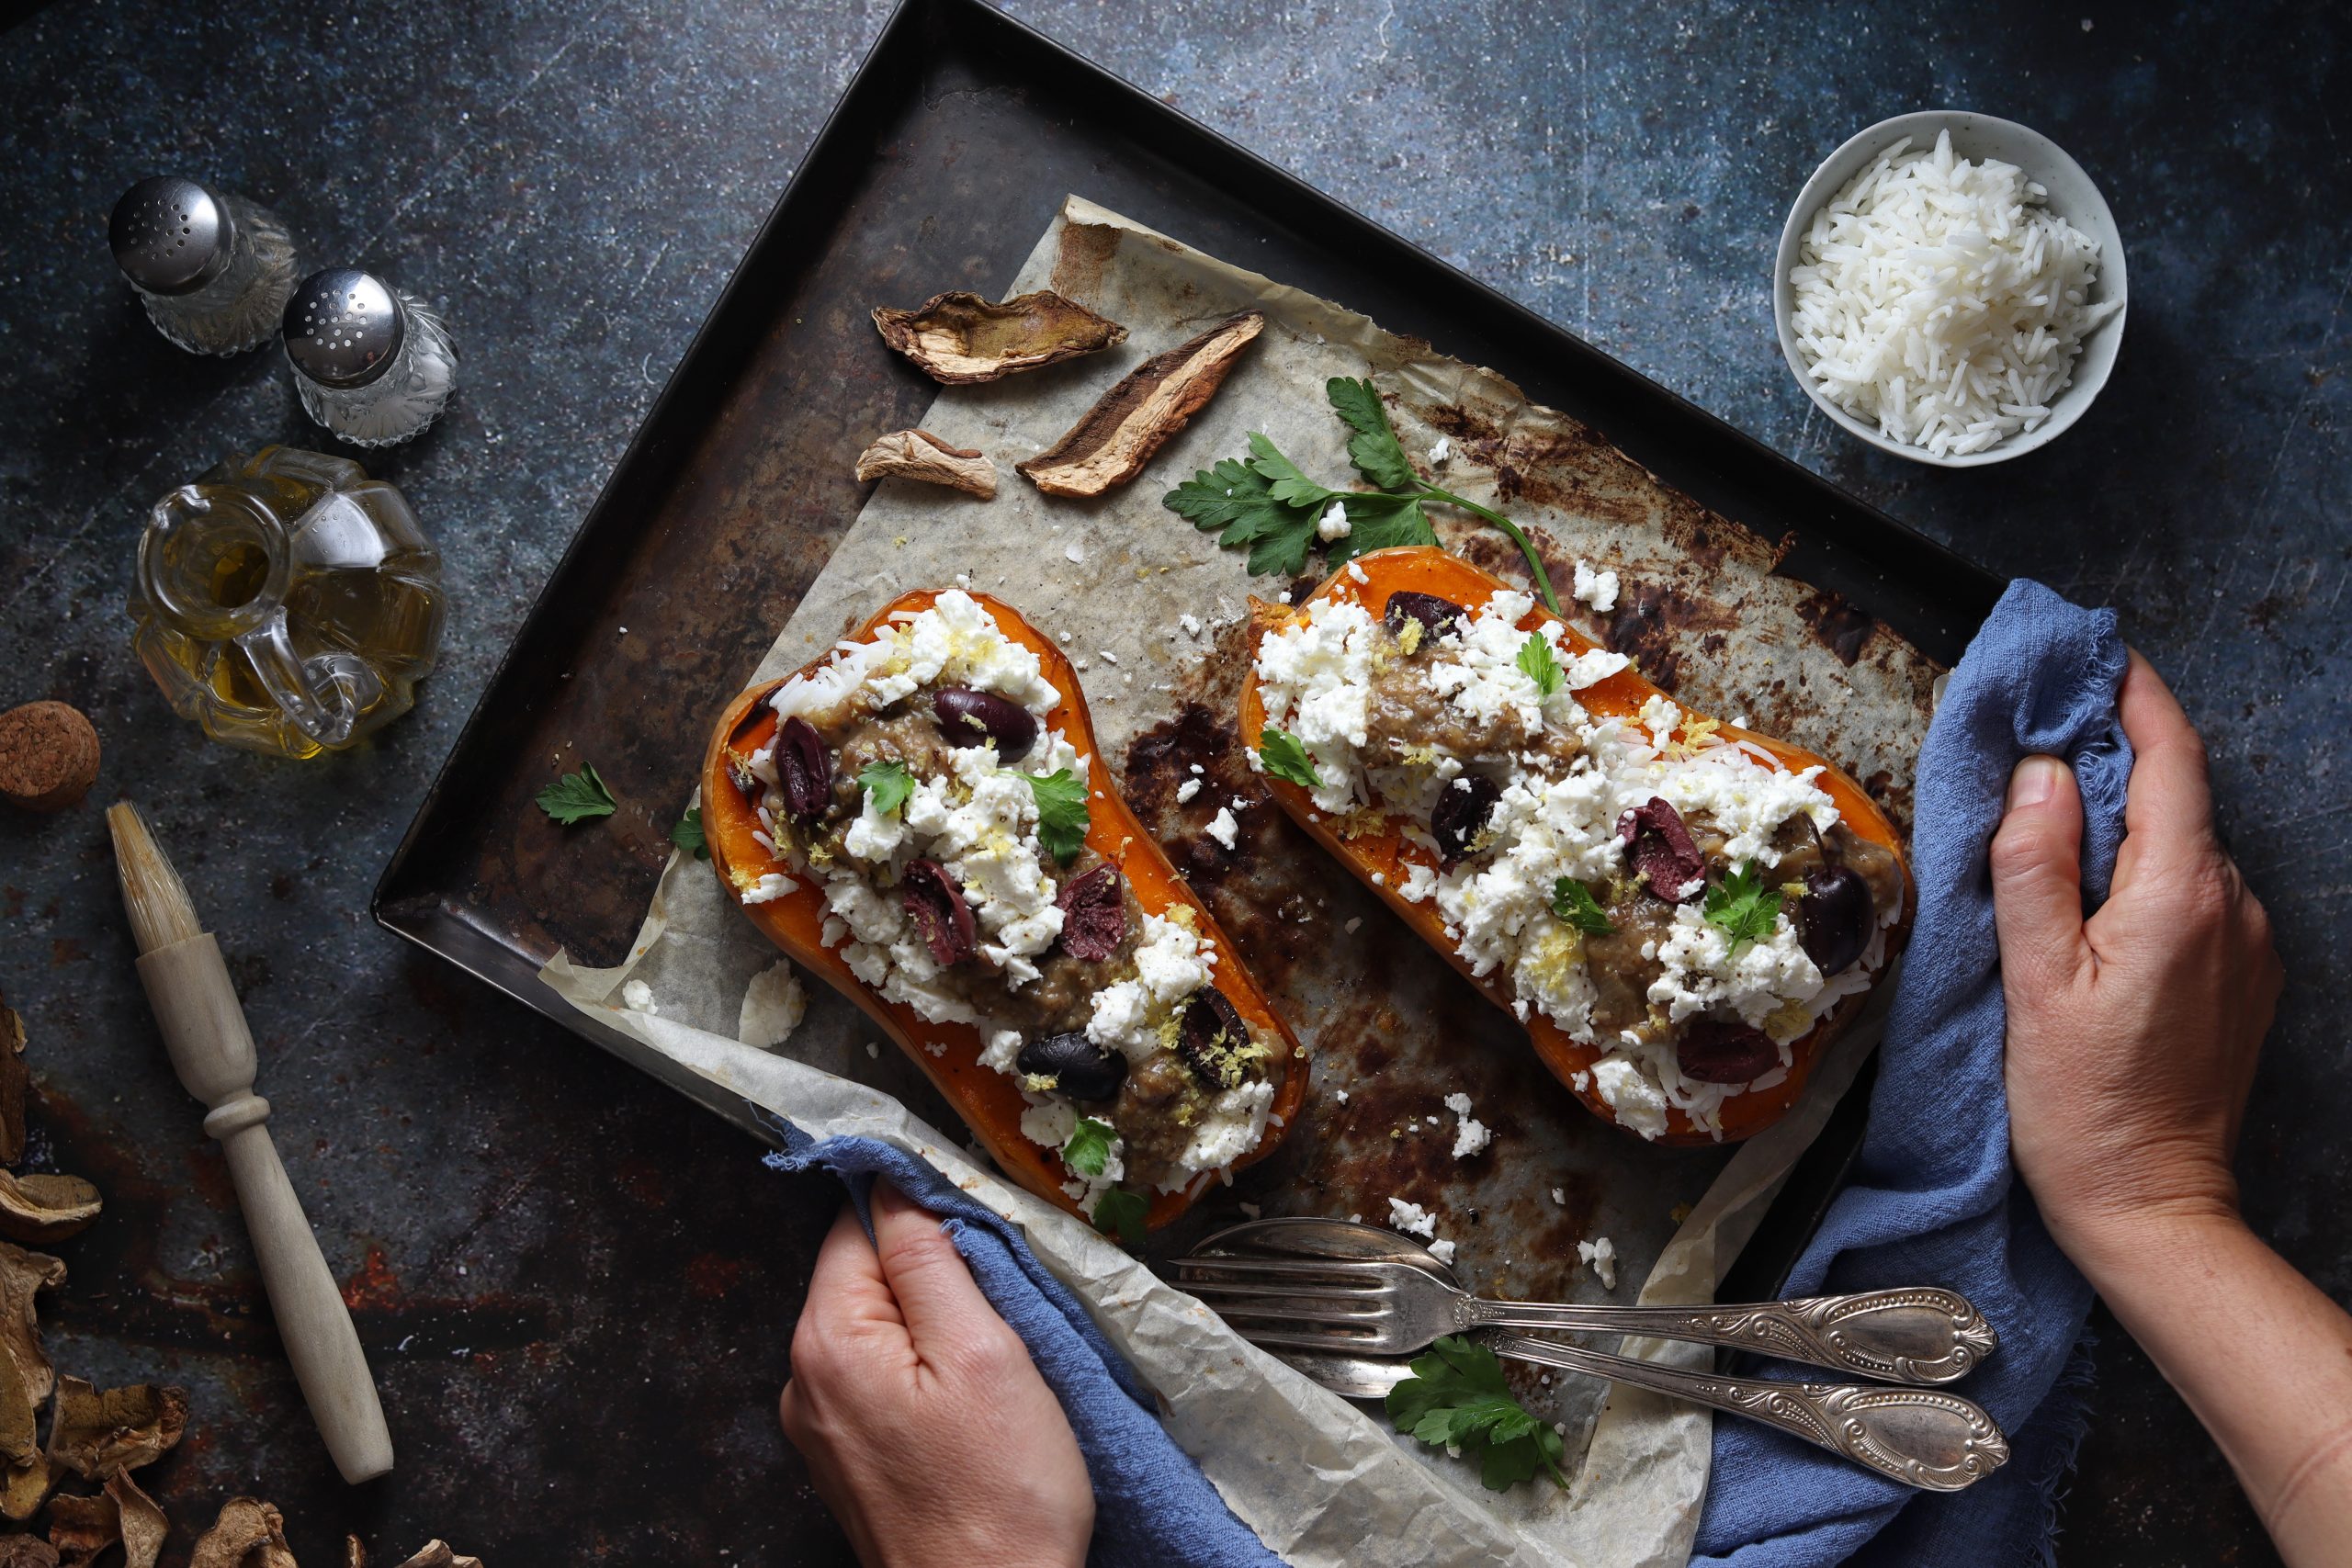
[[1152, 1505], [1933, 1198]]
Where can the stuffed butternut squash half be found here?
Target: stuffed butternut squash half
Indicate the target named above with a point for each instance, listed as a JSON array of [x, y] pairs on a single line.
[[1680, 912], [922, 818]]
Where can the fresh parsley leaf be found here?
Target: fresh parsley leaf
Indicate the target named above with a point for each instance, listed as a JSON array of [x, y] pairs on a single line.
[[1574, 902], [575, 798], [1061, 812], [1456, 1398], [1286, 759], [1236, 498], [1535, 662], [1743, 907], [1120, 1213], [1373, 448], [687, 834], [887, 785], [1377, 522], [1089, 1147], [1283, 481]]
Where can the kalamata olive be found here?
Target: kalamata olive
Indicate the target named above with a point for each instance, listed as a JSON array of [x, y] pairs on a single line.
[[937, 905], [1835, 917], [804, 767], [1094, 914], [968, 719], [1206, 1039], [1720, 1050], [1438, 616], [1461, 814], [1662, 853], [1079, 1067]]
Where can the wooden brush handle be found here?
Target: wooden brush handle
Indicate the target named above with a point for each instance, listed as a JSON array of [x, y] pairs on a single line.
[[205, 1030]]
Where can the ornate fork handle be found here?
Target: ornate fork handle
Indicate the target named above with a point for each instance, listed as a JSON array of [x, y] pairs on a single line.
[[1922, 1336], [1921, 1436]]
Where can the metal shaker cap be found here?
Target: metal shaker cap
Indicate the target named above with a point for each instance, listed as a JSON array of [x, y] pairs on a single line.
[[169, 236], [343, 327]]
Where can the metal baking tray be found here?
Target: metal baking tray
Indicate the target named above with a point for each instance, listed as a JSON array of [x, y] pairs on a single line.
[[950, 153]]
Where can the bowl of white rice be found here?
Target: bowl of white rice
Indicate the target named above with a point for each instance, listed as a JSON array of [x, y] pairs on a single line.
[[1950, 288]]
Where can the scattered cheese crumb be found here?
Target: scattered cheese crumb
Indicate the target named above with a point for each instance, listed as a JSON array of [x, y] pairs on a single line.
[[1191, 623], [1186, 790], [1106, 656], [637, 996], [773, 1005], [1602, 1256], [1597, 589], [873, 1052], [1341, 1095], [1443, 1251], [1413, 1220], [1334, 524], [1441, 453], [1472, 1134], [1560, 1196], [1354, 921], [1074, 554], [1223, 828], [1253, 1209]]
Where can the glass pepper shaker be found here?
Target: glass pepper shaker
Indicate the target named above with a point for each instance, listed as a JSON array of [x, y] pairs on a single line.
[[213, 268], [372, 364]]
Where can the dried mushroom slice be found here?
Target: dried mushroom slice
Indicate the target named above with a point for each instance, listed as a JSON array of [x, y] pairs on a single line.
[[142, 1524], [14, 1079], [23, 1489], [26, 1376], [248, 1534], [45, 1208], [26, 1551], [81, 1528], [98, 1432], [1133, 419], [959, 337], [438, 1554], [919, 455]]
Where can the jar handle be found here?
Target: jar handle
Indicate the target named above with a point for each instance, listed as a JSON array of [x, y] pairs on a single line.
[[324, 695]]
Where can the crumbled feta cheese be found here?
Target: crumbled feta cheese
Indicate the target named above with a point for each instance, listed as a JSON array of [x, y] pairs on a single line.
[[1341, 1095], [1442, 452], [873, 1051], [1251, 1210], [1334, 524], [1471, 1134], [1412, 1219], [1191, 623], [1185, 791], [1074, 553], [1601, 1256], [1597, 589], [1354, 922], [1443, 1251], [773, 1005], [1560, 1196], [1638, 1103], [1223, 828], [637, 996], [770, 886]]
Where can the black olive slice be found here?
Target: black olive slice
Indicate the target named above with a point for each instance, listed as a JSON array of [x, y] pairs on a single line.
[[972, 718], [804, 767], [1438, 616], [1461, 814], [1207, 1039], [1835, 917], [1078, 1067], [1717, 1050], [1662, 852], [930, 897], [1094, 914]]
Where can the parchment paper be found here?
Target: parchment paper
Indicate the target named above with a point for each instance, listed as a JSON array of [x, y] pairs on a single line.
[[1320, 1481]]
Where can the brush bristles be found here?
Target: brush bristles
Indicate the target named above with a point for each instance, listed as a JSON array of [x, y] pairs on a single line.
[[153, 894]]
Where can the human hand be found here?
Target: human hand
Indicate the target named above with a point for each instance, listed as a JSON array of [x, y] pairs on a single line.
[[2133, 1035], [926, 1428]]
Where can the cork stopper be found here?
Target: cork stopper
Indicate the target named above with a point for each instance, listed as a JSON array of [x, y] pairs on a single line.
[[48, 756]]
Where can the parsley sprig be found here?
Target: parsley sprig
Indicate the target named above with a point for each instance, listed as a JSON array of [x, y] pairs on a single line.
[[1743, 907], [1573, 902], [1286, 759], [1535, 662], [688, 835], [1456, 1398], [1089, 1147], [1120, 1213], [886, 785], [575, 798], [1061, 812], [1266, 503]]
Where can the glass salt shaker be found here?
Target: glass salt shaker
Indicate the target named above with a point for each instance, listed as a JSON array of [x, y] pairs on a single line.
[[372, 364], [213, 268]]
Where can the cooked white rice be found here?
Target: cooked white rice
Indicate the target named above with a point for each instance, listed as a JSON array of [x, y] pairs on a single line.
[[1942, 301]]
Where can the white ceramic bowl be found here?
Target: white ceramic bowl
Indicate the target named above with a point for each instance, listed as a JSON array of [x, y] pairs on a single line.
[[2072, 196]]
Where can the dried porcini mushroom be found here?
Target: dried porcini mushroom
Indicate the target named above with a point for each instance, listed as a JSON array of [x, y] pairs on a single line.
[[24, 1488], [1078, 1067], [97, 1432], [1662, 852], [44, 1208], [437, 1554], [1212, 1041], [26, 1376], [919, 455], [1438, 616], [81, 1528], [1094, 914], [804, 767], [248, 1534], [958, 337], [930, 897], [142, 1524], [1461, 814], [1109, 444], [26, 1551], [968, 718], [1718, 1050], [354, 1552], [1835, 917], [14, 1079]]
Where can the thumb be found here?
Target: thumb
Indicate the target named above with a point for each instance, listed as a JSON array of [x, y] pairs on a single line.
[[2037, 860]]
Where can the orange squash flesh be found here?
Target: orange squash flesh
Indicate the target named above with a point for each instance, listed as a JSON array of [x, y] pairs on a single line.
[[1382, 858], [989, 1101]]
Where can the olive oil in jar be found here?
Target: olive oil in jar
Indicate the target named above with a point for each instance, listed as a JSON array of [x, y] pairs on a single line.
[[287, 604]]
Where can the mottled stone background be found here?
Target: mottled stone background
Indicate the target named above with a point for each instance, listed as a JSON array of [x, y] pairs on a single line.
[[576, 1288]]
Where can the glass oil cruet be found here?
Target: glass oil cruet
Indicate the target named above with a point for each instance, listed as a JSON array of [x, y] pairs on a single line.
[[286, 602]]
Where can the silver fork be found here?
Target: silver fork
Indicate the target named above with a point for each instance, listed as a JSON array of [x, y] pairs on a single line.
[[1381, 1307]]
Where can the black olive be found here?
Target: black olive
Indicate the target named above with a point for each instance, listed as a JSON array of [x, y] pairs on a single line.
[[1078, 1067], [1438, 616], [1662, 852], [1835, 916], [1207, 1037], [1461, 814], [937, 905], [1094, 914], [968, 719], [804, 768], [1718, 1050]]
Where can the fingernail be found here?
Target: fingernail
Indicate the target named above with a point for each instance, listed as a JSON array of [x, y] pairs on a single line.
[[2035, 781]]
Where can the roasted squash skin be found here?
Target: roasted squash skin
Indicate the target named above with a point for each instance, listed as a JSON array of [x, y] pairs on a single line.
[[1380, 859], [989, 1101]]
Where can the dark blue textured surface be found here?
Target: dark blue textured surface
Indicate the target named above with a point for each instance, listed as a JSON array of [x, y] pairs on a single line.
[[563, 1275]]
